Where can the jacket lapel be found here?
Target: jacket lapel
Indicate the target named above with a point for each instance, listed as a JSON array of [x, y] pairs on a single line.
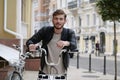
[[64, 34]]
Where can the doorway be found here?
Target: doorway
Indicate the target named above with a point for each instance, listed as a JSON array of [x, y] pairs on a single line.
[[102, 42]]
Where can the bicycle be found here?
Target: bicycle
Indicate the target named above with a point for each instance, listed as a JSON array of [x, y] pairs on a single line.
[[16, 74], [51, 64]]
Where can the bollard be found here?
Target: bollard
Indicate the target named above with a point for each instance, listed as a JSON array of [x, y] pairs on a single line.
[[89, 62], [104, 72], [77, 60], [76, 51]]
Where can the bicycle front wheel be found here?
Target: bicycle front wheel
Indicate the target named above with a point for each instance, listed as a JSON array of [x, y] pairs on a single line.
[[16, 76]]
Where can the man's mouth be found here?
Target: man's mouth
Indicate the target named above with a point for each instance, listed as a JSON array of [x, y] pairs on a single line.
[[58, 24]]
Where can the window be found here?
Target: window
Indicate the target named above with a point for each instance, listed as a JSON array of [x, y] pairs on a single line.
[[78, 3], [72, 22], [94, 19], [36, 15], [79, 21], [54, 7], [92, 1], [69, 0], [88, 20], [60, 2], [23, 10], [35, 3]]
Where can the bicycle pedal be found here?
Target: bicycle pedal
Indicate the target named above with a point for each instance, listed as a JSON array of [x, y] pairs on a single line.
[[45, 77], [62, 77], [57, 77], [40, 76]]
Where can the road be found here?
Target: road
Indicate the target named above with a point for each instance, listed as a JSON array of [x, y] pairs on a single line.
[[96, 64]]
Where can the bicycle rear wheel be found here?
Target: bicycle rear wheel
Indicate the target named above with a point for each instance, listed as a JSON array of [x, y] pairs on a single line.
[[16, 76]]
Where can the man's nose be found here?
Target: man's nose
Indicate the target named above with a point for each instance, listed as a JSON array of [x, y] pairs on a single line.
[[58, 20]]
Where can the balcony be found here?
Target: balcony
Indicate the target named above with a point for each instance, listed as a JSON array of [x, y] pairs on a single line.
[[46, 2], [72, 5], [92, 1]]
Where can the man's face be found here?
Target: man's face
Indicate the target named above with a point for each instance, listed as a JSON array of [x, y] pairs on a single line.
[[58, 21]]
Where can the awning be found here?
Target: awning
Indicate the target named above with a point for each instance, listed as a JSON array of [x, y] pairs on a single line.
[[9, 54]]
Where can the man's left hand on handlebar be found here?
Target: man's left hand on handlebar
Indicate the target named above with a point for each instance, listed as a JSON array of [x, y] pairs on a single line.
[[62, 44]]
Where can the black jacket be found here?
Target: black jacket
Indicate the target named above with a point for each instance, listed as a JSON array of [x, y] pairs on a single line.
[[45, 35]]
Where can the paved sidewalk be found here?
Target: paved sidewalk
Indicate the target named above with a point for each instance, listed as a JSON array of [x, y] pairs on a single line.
[[74, 74], [78, 74], [82, 74], [30, 75]]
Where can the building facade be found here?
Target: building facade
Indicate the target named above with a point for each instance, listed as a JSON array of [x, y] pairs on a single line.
[[87, 23], [15, 21], [16, 17], [26, 17], [93, 29]]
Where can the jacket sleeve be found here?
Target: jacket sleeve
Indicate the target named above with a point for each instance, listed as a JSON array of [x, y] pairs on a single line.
[[72, 40], [36, 37]]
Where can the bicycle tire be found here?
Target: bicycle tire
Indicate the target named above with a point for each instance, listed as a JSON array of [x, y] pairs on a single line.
[[16, 76]]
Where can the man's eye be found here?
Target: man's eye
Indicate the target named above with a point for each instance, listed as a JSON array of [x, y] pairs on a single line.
[[58, 18], [61, 18]]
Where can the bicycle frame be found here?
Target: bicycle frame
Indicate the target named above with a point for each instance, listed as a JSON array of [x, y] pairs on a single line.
[[18, 65], [51, 64]]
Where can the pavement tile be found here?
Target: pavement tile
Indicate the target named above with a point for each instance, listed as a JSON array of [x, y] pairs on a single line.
[[30, 75], [74, 74]]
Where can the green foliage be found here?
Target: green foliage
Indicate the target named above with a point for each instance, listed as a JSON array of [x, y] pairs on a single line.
[[109, 9]]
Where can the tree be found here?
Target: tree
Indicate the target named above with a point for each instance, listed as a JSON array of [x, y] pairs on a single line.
[[110, 10]]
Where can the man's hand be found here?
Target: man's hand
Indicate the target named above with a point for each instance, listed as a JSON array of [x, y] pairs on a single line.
[[62, 44], [32, 47]]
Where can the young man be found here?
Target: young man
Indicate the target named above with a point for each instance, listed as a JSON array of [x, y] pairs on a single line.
[[54, 39]]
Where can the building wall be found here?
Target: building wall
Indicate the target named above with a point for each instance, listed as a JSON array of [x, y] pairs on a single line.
[[109, 43], [88, 28], [11, 18]]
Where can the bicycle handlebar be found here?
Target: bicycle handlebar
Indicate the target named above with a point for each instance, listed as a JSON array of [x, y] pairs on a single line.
[[21, 59], [46, 60], [24, 56]]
